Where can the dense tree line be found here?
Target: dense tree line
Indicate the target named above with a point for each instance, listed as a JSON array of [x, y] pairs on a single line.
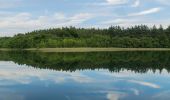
[[140, 36], [140, 62]]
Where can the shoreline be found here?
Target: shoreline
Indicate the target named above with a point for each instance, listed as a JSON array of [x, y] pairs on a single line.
[[86, 49]]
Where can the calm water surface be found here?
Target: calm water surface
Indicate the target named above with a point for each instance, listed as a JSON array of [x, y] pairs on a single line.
[[85, 76]]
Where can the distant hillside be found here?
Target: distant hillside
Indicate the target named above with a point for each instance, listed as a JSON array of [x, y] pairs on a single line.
[[134, 37]]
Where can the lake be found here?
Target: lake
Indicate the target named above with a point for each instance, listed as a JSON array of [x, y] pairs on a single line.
[[85, 76]]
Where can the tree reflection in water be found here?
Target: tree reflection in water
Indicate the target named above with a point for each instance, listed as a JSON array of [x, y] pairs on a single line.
[[139, 62]]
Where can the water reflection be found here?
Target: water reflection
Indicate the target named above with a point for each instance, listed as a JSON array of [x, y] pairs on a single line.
[[139, 62], [85, 76]]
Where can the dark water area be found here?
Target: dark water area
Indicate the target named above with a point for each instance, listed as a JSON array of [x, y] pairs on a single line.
[[85, 76]]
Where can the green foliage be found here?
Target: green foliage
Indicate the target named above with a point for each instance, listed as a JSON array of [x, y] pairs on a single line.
[[133, 37]]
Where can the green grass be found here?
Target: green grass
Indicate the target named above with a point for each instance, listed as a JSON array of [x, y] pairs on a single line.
[[88, 49], [96, 49]]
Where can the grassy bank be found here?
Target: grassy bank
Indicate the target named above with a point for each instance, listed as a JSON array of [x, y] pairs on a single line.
[[88, 49]]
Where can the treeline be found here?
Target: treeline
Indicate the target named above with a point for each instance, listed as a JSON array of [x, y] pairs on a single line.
[[139, 62], [140, 36]]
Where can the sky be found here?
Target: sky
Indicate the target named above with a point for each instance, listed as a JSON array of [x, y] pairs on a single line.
[[19, 16]]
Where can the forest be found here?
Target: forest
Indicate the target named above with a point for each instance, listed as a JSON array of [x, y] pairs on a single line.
[[139, 36]]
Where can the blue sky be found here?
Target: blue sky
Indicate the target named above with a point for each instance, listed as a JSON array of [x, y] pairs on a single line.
[[18, 16]]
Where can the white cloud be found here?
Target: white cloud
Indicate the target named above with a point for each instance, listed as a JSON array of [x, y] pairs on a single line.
[[145, 84], [136, 3], [119, 21], [146, 12], [128, 22], [115, 96], [12, 22], [136, 92], [116, 2], [110, 3], [17, 75], [23, 22]]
